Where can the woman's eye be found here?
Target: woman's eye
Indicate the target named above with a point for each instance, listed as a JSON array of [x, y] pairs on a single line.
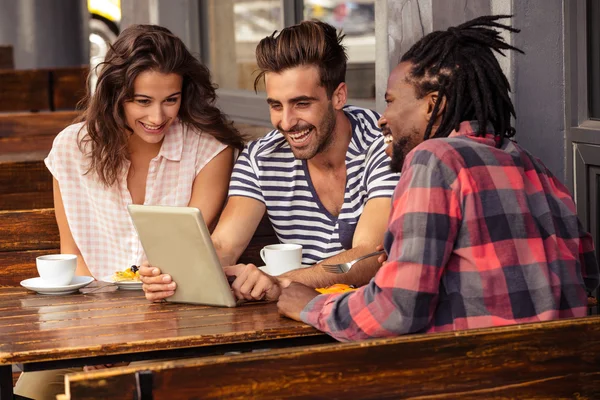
[[171, 100], [143, 102]]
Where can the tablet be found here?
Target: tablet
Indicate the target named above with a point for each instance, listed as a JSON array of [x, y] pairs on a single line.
[[177, 241]]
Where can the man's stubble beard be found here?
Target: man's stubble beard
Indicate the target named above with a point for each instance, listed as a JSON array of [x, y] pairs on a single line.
[[400, 149], [328, 126]]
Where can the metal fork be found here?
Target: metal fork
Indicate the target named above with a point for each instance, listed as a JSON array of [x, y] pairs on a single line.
[[345, 267]]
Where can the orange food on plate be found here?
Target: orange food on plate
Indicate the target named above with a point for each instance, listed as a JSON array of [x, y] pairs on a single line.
[[337, 288], [128, 274]]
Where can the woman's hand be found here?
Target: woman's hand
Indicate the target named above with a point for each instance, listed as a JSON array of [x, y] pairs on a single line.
[[156, 286]]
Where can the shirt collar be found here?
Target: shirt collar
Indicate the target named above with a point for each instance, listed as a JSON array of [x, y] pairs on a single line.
[[469, 128], [172, 146]]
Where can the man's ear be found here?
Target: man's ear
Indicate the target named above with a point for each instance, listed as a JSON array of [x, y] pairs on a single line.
[[339, 96], [432, 98]]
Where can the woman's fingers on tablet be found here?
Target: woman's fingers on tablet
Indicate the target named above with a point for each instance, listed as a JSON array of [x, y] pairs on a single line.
[[159, 287], [157, 292], [158, 280], [158, 296], [147, 270]]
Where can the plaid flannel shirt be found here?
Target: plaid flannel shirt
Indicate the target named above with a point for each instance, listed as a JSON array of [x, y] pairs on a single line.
[[478, 236]]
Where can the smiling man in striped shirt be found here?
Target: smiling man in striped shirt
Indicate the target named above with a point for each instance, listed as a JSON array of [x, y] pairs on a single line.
[[481, 233], [322, 175]]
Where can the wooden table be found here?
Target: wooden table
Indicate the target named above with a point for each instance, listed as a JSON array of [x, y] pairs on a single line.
[[45, 332]]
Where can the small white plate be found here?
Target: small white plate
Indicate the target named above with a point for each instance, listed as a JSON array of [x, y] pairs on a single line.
[[38, 285], [264, 269], [124, 285]]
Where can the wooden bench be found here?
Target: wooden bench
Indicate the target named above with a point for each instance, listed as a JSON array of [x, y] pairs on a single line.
[[25, 140], [27, 124], [25, 184], [26, 234], [539, 360], [42, 89], [32, 132]]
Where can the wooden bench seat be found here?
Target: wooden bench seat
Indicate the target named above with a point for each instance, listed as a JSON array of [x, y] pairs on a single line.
[[48, 89], [556, 359], [26, 124], [25, 133], [25, 185], [26, 234]]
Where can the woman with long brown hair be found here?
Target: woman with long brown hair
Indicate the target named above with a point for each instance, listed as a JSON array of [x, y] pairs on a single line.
[[149, 134]]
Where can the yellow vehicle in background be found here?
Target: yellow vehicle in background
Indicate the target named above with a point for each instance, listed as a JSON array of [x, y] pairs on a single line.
[[105, 19]]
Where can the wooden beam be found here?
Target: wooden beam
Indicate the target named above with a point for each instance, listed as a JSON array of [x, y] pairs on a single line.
[[24, 90], [555, 359], [28, 230], [68, 86], [35, 124]]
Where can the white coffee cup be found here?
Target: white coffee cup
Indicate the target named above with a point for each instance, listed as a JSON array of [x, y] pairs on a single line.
[[57, 269], [281, 258]]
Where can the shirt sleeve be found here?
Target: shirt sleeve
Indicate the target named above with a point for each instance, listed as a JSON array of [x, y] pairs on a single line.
[[380, 179], [244, 178], [65, 156], [208, 148], [402, 297]]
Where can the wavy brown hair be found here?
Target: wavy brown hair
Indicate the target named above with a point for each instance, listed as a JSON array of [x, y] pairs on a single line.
[[141, 48], [307, 43]]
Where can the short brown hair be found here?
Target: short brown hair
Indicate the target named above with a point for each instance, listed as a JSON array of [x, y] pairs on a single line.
[[142, 48], [307, 43]]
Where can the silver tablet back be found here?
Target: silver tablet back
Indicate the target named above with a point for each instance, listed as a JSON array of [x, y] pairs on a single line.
[[177, 241]]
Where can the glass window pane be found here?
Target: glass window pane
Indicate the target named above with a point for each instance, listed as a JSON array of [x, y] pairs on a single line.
[[593, 54], [356, 19], [245, 23]]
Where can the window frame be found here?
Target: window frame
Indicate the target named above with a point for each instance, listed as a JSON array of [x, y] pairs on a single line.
[[582, 132], [580, 127], [245, 106]]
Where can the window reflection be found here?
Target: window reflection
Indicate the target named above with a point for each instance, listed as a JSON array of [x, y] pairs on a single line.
[[356, 19], [246, 22]]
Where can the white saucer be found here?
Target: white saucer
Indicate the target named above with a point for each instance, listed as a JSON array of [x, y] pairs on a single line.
[[264, 269], [38, 285], [124, 285]]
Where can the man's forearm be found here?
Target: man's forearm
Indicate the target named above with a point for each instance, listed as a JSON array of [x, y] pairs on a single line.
[[360, 274], [226, 252]]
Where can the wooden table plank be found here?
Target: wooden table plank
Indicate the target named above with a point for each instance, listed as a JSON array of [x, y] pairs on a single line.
[[36, 328]]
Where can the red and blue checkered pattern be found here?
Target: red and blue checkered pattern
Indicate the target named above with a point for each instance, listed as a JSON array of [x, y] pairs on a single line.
[[479, 236]]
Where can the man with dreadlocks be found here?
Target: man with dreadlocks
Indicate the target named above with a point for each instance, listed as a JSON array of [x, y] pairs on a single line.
[[481, 233]]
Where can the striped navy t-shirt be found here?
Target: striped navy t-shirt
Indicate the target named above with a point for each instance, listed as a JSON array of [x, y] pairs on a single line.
[[268, 172]]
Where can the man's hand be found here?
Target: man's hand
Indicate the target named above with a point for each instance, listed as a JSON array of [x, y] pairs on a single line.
[[294, 298], [156, 286], [383, 257], [253, 284]]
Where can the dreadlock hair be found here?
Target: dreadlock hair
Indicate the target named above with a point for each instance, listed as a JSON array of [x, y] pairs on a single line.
[[460, 65]]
